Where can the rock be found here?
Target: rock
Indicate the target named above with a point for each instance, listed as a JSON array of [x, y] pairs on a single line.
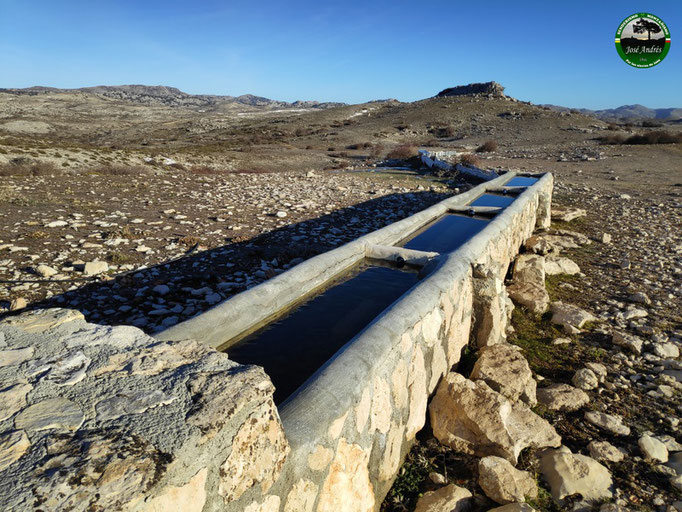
[[506, 371], [93, 268], [652, 448], [555, 266], [528, 285], [675, 462], [45, 271], [503, 483], [437, 478], [450, 498], [513, 507], [676, 482], [281, 214], [53, 413], [603, 450], [562, 341], [605, 238], [161, 289], [15, 356], [57, 224], [562, 397], [567, 214], [41, 320], [599, 370], [585, 379], [627, 341], [12, 446], [17, 304], [134, 403], [190, 497], [568, 315], [347, 486], [640, 297], [568, 473], [13, 399], [666, 350], [490, 311], [532, 297], [473, 418], [609, 422]]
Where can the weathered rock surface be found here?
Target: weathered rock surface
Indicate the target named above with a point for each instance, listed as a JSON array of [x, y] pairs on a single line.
[[585, 379], [567, 214], [560, 265], [652, 448], [513, 507], [503, 483], [451, 498], [473, 418], [528, 285], [628, 341], [506, 371], [562, 397], [568, 473], [609, 422], [490, 311], [12, 446], [570, 317], [603, 450]]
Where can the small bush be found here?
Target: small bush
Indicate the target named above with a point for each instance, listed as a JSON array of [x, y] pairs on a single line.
[[376, 151], [361, 145], [469, 160], [119, 170], [655, 137], [403, 152], [651, 124], [487, 147], [23, 166], [613, 127]]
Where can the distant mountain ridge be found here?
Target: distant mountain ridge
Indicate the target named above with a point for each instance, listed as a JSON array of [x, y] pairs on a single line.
[[170, 96], [628, 112]]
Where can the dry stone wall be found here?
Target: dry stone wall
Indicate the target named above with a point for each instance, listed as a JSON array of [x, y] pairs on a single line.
[[108, 418]]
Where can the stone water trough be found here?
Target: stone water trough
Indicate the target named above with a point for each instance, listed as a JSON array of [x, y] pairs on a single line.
[[109, 418]]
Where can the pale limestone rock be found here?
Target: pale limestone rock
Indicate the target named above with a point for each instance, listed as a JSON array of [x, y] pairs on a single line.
[[528, 285], [347, 487], [569, 316], [439, 366], [603, 450], [399, 385], [93, 268], [560, 265], [133, 403], [320, 458], [503, 483], [450, 498], [381, 411], [562, 397], [259, 450], [471, 417], [190, 497], [627, 341], [17, 304], [490, 311], [390, 461], [431, 327], [301, 497], [609, 422], [666, 350], [41, 320], [13, 399], [53, 413], [68, 369], [585, 379], [12, 446], [599, 370], [337, 425], [45, 271], [506, 371], [15, 356], [418, 396], [652, 448], [568, 473], [362, 409], [513, 507], [270, 504], [567, 214]]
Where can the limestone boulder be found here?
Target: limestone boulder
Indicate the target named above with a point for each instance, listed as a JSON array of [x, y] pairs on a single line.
[[652, 448], [567, 214], [627, 341], [473, 418], [585, 379], [490, 310], [528, 285], [506, 371], [513, 507], [450, 498], [503, 483], [603, 450], [556, 265], [562, 397], [570, 317], [568, 473], [609, 422]]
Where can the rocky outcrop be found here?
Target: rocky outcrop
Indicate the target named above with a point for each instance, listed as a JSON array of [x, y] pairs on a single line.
[[489, 89], [471, 417]]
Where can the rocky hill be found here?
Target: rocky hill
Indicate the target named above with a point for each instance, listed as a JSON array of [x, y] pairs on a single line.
[[628, 112]]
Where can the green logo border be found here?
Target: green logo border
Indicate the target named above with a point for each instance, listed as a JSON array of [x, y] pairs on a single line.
[[666, 45]]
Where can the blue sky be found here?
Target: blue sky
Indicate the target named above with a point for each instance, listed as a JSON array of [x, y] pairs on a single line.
[[546, 52]]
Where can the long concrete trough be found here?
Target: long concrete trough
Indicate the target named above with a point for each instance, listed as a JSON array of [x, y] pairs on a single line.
[[351, 423]]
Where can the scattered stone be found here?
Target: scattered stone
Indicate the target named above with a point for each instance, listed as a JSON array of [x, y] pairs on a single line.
[[666, 350], [570, 317], [506, 371], [627, 341], [17, 304], [605, 238], [53, 413], [652, 448], [568, 474], [471, 417], [562, 341], [503, 483], [585, 379], [562, 397], [609, 422], [45, 271], [640, 297], [437, 478], [12, 446], [451, 498], [567, 214], [15, 356], [13, 399], [555, 266], [603, 450], [93, 268]]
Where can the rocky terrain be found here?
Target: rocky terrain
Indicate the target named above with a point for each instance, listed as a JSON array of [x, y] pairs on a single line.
[[163, 211]]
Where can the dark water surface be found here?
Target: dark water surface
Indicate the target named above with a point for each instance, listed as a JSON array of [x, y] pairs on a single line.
[[292, 348], [521, 181], [446, 233], [494, 200]]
